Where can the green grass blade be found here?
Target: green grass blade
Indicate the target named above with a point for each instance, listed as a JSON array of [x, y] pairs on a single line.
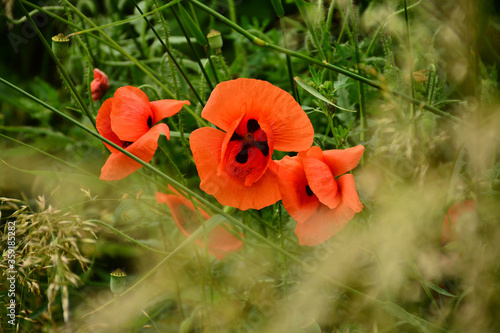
[[172, 58]]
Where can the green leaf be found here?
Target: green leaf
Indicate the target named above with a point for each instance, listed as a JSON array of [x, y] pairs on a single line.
[[316, 94], [192, 26], [437, 289], [305, 9], [278, 8]]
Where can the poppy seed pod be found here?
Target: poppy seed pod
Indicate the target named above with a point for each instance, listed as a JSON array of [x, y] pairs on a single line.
[[215, 40], [60, 46], [117, 281]]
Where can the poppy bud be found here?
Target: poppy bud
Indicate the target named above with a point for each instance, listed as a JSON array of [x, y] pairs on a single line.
[[117, 281], [99, 85], [215, 40], [60, 46]]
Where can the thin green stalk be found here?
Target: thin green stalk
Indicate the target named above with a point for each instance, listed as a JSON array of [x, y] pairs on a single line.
[[59, 18], [188, 40], [214, 221], [284, 260], [304, 12], [345, 25], [205, 49], [410, 60], [64, 74], [121, 22], [137, 63], [170, 55], [167, 36], [261, 43], [289, 68], [361, 87], [124, 235], [383, 25], [113, 45]]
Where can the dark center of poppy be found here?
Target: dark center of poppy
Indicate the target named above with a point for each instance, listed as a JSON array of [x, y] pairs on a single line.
[[150, 122], [125, 144], [309, 191], [249, 141]]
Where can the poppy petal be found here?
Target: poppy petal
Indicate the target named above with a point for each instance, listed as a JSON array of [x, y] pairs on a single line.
[[99, 85], [130, 113], [327, 222], [260, 100], [166, 108], [244, 161], [206, 145], [103, 124], [341, 161], [298, 202], [119, 166], [321, 181], [220, 241], [455, 212]]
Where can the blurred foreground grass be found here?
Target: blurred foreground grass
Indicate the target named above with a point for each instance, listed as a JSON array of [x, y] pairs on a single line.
[[388, 270]]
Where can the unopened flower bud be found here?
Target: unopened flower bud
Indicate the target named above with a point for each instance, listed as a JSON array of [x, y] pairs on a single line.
[[118, 281], [215, 40], [60, 46], [99, 85]]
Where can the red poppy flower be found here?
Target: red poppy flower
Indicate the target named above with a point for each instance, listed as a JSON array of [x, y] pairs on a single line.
[[220, 242], [255, 117], [315, 196], [128, 119], [99, 85], [456, 213]]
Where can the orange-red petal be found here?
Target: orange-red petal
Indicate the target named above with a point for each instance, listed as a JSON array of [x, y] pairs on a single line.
[[206, 145], [343, 160], [166, 108], [103, 124], [260, 100], [130, 113], [292, 180], [220, 241], [99, 85], [320, 178], [455, 212], [119, 166], [327, 222]]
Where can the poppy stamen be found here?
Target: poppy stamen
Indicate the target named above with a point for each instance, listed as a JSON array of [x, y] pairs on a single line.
[[248, 138]]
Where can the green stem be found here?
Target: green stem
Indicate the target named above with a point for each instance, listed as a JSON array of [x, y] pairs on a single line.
[[64, 74], [284, 260], [354, 38], [383, 25], [261, 43], [188, 40], [289, 68], [212, 65], [410, 59], [134, 60], [170, 55], [124, 235]]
